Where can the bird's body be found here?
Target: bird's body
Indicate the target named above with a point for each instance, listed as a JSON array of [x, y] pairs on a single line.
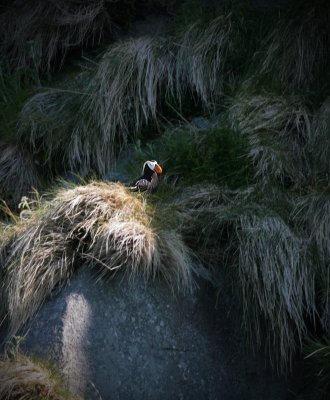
[[149, 181]]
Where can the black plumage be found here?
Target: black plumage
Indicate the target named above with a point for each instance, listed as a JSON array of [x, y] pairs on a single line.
[[149, 181]]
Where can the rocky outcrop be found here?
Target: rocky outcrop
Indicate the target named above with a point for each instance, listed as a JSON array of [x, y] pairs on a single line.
[[136, 340]]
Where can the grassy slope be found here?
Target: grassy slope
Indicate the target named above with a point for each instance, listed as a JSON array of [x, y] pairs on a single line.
[[250, 189]]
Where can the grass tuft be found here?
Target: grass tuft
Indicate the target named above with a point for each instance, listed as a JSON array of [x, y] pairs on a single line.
[[82, 125], [317, 356], [39, 34], [277, 283], [62, 137], [131, 75], [101, 224], [18, 172], [22, 378], [312, 213], [215, 154], [296, 51], [318, 146], [250, 234], [278, 129]]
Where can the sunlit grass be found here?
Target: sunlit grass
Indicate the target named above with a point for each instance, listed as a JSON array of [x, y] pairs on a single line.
[[101, 224], [26, 378]]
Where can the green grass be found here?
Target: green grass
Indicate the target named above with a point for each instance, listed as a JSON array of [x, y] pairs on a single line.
[[214, 155]]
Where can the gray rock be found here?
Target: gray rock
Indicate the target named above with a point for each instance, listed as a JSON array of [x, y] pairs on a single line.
[[136, 340], [201, 123]]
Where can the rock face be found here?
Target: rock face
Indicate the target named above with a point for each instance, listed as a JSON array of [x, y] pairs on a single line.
[[135, 340]]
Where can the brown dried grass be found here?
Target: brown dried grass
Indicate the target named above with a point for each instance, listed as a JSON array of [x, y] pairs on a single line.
[[278, 129], [99, 224], [40, 33], [81, 126], [21, 378]]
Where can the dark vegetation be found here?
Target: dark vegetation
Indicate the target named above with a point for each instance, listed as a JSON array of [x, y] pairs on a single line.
[[233, 101], [214, 154]]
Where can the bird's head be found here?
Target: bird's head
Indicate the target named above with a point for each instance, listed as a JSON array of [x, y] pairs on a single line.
[[153, 166]]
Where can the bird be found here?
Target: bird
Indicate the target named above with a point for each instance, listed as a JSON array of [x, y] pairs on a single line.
[[149, 181]]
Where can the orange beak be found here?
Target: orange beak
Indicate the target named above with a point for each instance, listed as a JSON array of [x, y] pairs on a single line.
[[158, 169]]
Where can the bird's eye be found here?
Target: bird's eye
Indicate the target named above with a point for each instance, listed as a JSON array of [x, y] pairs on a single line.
[[152, 164]]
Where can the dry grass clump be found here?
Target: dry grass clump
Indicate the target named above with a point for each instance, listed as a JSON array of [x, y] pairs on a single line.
[[115, 230], [277, 242], [40, 33], [319, 143], [268, 261], [31, 211], [317, 356], [65, 139], [82, 123], [40, 260], [3, 293], [22, 378], [200, 208], [133, 244], [175, 261], [277, 282], [18, 172], [141, 251], [313, 216], [126, 89], [297, 50], [278, 129], [313, 212], [101, 224], [201, 197]]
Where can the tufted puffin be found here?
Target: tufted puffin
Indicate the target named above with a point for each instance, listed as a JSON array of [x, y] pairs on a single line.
[[148, 182]]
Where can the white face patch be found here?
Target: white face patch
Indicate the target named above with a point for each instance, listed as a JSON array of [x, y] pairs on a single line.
[[151, 164]]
